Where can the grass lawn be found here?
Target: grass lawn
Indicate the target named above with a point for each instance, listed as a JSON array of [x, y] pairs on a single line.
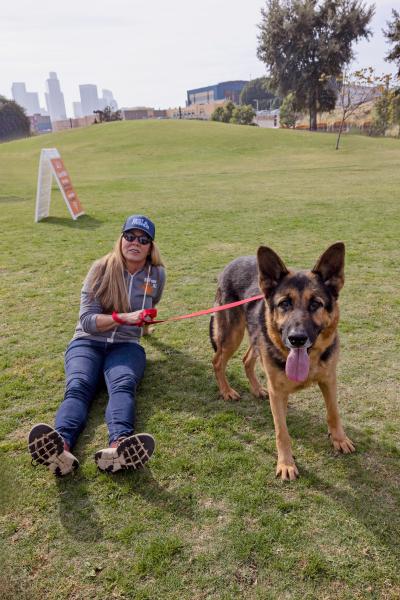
[[207, 519]]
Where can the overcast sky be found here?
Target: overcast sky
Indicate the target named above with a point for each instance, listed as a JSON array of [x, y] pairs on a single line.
[[147, 53]]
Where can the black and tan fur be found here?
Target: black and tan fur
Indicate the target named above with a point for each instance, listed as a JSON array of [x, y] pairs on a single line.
[[298, 305]]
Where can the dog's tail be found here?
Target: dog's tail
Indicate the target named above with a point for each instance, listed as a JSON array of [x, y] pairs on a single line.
[[212, 331], [213, 344]]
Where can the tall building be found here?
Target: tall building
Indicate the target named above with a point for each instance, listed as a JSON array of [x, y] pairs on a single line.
[[55, 98], [108, 99], [227, 90], [89, 98], [28, 100], [77, 107]]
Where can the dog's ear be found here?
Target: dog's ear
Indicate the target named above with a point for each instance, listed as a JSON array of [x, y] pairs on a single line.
[[271, 269], [330, 267]]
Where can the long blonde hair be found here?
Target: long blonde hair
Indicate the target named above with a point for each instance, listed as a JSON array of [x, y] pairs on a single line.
[[107, 282]]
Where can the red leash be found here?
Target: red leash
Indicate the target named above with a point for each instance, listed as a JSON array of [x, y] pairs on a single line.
[[148, 314]]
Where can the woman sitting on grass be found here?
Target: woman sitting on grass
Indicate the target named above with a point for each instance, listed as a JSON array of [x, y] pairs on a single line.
[[127, 280]]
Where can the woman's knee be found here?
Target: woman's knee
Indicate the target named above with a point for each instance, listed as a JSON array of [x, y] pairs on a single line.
[[123, 383], [80, 388]]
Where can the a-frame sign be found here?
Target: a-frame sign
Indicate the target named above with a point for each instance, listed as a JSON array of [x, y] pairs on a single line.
[[51, 165]]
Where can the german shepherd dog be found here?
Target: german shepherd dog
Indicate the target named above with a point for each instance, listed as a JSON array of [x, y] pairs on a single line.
[[293, 331]]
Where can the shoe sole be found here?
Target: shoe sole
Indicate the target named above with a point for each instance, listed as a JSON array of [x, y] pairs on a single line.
[[46, 447], [132, 453]]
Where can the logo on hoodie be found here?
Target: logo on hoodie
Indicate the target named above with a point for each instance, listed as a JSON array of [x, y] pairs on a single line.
[[149, 286]]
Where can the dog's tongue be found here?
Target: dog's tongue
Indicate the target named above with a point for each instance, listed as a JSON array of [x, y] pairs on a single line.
[[297, 364]]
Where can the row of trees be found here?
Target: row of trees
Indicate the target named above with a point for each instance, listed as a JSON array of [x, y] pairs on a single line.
[[306, 46]]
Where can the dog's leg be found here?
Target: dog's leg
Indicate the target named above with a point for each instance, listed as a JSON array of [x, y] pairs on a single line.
[[339, 439], [249, 362], [227, 340], [286, 467]]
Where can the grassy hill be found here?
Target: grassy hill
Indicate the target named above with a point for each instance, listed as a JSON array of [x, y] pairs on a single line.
[[206, 519]]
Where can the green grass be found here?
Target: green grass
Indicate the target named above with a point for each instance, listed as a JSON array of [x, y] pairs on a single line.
[[206, 519]]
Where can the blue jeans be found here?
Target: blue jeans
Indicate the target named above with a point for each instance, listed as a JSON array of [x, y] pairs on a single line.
[[85, 362]]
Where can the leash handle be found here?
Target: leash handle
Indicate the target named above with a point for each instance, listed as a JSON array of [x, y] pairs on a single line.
[[146, 316]]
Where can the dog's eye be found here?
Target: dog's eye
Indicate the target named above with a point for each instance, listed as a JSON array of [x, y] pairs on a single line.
[[285, 304], [315, 305]]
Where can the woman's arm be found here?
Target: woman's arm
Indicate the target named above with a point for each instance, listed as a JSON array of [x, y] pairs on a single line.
[[106, 322]]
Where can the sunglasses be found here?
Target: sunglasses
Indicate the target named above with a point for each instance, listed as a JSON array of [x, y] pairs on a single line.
[[131, 237]]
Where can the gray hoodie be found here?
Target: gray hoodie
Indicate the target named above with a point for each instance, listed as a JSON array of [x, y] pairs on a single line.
[[144, 288]]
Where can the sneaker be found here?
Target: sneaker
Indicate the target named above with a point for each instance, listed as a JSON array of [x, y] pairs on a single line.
[[47, 447], [131, 452]]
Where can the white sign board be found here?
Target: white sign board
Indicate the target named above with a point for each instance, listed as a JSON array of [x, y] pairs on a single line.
[[51, 165]]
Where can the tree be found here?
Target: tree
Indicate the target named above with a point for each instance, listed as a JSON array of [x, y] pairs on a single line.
[[217, 114], [107, 114], [243, 115], [382, 113], [396, 109], [355, 90], [393, 36], [13, 121], [289, 113], [223, 113], [229, 107], [301, 40], [257, 93], [387, 108]]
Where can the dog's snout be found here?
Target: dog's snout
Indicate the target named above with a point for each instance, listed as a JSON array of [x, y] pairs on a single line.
[[298, 340]]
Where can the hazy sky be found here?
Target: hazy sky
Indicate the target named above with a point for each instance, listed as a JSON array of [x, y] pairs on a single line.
[[147, 53]]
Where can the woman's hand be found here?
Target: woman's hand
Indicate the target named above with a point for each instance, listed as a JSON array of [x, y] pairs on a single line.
[[131, 317]]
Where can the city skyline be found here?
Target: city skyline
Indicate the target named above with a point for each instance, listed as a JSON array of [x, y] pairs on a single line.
[[147, 55], [89, 101]]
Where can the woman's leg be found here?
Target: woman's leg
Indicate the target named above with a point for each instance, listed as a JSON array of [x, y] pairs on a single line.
[[83, 365], [123, 369]]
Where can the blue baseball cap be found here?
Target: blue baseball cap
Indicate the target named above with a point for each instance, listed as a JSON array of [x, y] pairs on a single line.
[[140, 222]]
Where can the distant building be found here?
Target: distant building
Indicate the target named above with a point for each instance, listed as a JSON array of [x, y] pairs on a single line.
[[18, 90], [40, 124], [137, 112], [73, 123], [160, 113], [89, 98], [194, 111], [55, 98], [28, 100], [108, 99], [226, 90], [77, 108]]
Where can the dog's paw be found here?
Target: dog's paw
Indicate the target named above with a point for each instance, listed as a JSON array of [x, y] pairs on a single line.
[[230, 394], [287, 471], [260, 392], [341, 443]]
